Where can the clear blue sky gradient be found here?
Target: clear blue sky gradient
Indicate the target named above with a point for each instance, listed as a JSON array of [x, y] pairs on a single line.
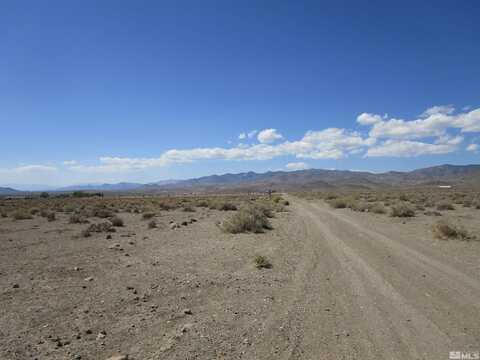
[[85, 79]]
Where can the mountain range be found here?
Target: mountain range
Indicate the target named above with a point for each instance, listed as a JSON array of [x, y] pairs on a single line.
[[457, 175]]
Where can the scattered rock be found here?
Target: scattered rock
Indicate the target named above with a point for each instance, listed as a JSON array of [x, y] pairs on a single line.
[[101, 335], [15, 286], [174, 226], [109, 237], [184, 223], [187, 311], [90, 278], [76, 268]]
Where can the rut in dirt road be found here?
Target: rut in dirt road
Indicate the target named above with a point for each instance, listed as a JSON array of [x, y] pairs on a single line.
[[361, 294]]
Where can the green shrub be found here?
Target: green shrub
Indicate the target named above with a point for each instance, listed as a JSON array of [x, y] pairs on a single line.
[[402, 210], [248, 219], [261, 262]]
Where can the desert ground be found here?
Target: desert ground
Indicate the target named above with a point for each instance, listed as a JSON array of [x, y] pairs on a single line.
[[377, 275]]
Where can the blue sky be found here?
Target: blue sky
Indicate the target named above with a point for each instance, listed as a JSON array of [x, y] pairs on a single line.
[[106, 91]]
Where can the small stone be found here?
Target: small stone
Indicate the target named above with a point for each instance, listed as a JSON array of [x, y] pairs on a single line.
[[101, 335], [76, 268], [15, 286], [90, 278], [118, 357], [184, 223], [109, 237], [187, 311], [186, 327]]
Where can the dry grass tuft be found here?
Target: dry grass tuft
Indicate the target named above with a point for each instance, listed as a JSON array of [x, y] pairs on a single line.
[[251, 218], [445, 205], [21, 215], [446, 230], [402, 210]]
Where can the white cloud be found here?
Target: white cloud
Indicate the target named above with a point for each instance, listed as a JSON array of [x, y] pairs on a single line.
[[330, 143], [436, 123], [368, 119], [297, 166], [249, 135], [269, 136], [472, 147], [408, 148], [440, 109], [438, 132]]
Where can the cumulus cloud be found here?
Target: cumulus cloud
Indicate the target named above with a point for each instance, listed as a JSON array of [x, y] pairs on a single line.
[[408, 148], [438, 131], [268, 136], [368, 119], [435, 123], [472, 147], [242, 136], [297, 166], [331, 143], [440, 109]]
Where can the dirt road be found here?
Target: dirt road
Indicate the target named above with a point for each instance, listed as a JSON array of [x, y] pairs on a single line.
[[363, 291], [344, 285]]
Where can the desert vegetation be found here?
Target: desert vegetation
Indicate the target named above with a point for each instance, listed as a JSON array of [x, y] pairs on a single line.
[[422, 203], [444, 229]]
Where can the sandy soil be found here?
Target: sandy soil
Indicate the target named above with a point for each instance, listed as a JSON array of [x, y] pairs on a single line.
[[344, 285]]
